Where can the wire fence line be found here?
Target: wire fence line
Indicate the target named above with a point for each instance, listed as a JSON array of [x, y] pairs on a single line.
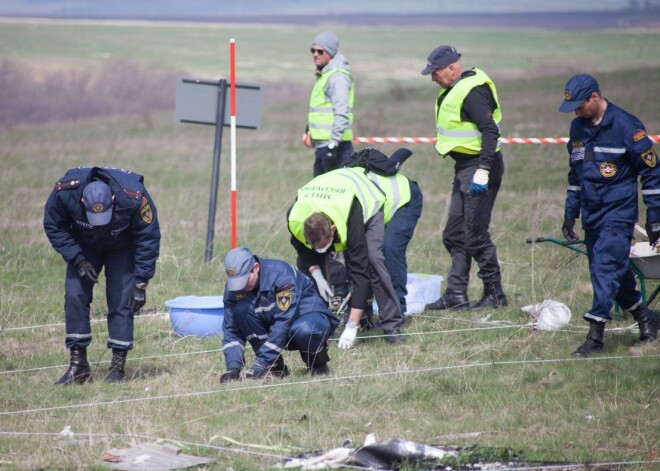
[[315, 382], [447, 331], [364, 337]]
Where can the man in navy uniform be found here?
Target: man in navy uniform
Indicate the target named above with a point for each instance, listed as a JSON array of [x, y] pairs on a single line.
[[608, 150], [96, 218], [274, 307]]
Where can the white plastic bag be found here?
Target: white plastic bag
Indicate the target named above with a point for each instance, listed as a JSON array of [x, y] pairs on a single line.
[[549, 315]]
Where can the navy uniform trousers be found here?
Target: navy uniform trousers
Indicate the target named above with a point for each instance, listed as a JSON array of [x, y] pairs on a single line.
[[398, 232], [118, 265], [611, 277]]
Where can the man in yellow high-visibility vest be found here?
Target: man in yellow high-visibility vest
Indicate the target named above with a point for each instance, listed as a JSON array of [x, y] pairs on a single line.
[[468, 114], [342, 211], [330, 116]]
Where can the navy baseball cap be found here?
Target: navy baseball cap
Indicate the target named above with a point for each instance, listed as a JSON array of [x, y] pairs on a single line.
[[440, 58], [578, 88], [238, 265], [97, 198]]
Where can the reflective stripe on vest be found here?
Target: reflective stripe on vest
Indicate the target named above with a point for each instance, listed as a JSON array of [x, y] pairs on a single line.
[[451, 132], [321, 113], [332, 194], [397, 192]]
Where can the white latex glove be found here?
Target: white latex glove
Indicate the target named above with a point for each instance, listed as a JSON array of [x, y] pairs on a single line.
[[324, 288], [347, 338], [479, 183]]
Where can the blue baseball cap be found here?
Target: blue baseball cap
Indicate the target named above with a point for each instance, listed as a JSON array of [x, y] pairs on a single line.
[[578, 88], [238, 265], [440, 58], [97, 199]]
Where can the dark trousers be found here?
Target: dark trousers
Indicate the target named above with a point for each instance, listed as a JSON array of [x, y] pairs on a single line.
[[608, 249], [466, 235], [323, 165], [398, 232], [78, 297]]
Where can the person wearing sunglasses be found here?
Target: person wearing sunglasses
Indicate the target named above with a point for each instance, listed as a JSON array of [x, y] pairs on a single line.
[[330, 116], [102, 218]]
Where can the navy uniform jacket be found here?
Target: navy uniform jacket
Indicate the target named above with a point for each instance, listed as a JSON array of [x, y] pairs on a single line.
[[605, 161], [134, 220], [265, 314]]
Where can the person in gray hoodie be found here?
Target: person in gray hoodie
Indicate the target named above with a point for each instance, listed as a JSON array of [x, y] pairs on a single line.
[[330, 117]]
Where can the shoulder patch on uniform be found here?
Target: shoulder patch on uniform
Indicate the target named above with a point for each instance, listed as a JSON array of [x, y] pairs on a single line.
[[283, 299], [239, 296], [577, 144], [283, 288], [639, 134], [67, 185], [649, 157], [146, 213]]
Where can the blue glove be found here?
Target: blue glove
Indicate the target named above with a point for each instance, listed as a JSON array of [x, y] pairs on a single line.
[[479, 183]]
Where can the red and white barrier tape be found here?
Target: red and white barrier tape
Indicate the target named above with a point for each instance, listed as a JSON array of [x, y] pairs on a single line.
[[504, 140]]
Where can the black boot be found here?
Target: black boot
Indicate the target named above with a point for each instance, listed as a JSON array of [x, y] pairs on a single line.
[[116, 370], [493, 297], [279, 370], [456, 300], [394, 336], [648, 321], [78, 371], [317, 362], [595, 341]]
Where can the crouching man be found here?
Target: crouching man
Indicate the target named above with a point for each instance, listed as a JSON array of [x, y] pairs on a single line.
[[274, 307]]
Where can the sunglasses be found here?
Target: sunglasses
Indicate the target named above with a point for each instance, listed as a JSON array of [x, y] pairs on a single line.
[[320, 52]]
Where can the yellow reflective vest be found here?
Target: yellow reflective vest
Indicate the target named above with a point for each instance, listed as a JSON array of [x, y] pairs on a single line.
[[396, 189], [332, 194], [321, 113], [451, 132]]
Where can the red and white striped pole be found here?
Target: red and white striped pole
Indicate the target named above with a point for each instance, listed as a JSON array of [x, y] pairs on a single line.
[[232, 101]]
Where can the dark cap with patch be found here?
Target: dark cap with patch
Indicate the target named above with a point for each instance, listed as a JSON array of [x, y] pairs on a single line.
[[440, 58], [578, 88], [97, 198], [238, 265]]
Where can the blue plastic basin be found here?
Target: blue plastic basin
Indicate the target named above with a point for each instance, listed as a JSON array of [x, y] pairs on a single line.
[[200, 316]]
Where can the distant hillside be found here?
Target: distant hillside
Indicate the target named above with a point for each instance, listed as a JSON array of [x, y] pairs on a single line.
[[177, 9]]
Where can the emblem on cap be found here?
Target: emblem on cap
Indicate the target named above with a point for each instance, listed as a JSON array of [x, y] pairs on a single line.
[[567, 94], [230, 272], [98, 207]]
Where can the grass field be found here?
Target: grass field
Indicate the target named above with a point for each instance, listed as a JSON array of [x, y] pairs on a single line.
[[498, 385]]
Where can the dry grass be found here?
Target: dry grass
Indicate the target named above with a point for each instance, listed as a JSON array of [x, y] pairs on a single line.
[[450, 383]]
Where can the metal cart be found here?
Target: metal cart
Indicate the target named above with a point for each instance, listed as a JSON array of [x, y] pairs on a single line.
[[644, 268]]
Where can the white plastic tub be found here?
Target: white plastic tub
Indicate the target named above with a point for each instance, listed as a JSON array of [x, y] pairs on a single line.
[[646, 260]]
